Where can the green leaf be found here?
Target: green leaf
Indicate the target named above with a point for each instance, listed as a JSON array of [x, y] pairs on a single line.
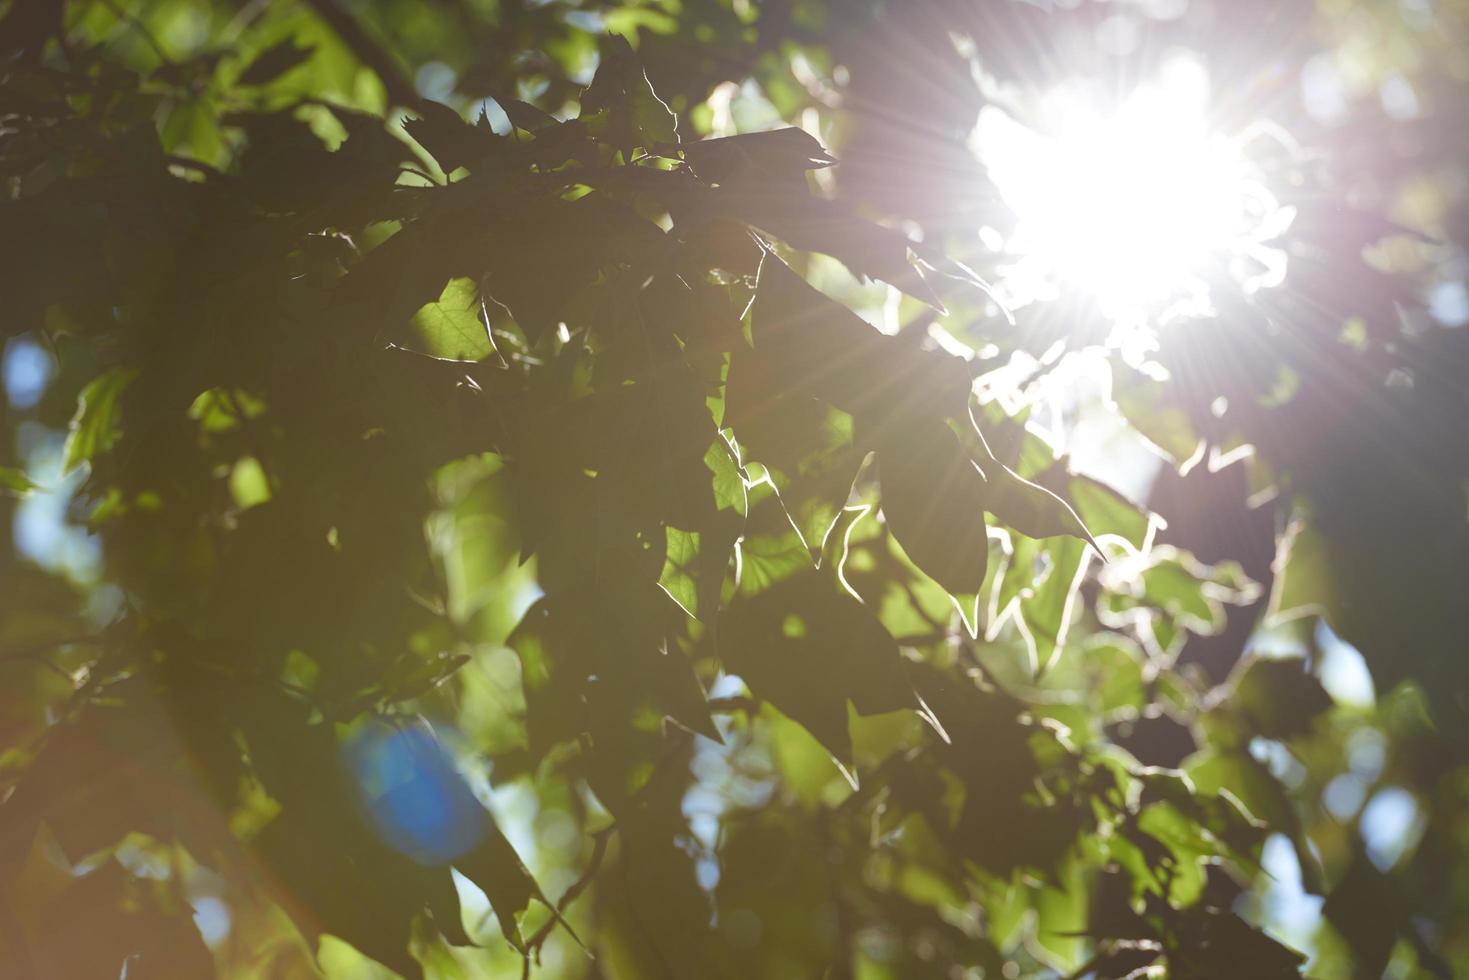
[[1181, 869], [554, 699], [814, 224], [454, 327], [1105, 511], [249, 485], [95, 427], [1061, 918], [14, 482], [1146, 408], [1171, 585], [1262, 794], [1116, 664], [341, 876], [676, 578], [698, 562], [1048, 611], [1030, 508], [770, 548]]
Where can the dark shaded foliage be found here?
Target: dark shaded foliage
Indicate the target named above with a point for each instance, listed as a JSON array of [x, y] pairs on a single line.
[[544, 431]]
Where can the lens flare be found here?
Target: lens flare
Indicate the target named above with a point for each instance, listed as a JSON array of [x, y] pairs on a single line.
[[1138, 204], [413, 795]]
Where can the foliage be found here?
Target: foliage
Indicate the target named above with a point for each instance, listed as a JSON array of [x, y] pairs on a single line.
[[521, 548]]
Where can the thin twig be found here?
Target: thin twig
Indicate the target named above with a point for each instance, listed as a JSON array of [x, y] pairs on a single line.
[[594, 866]]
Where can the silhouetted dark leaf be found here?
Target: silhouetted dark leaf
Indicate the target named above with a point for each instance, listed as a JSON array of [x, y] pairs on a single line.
[[809, 649], [782, 156], [1366, 911], [578, 440], [934, 499], [274, 62], [635, 114], [1278, 698], [447, 137], [1215, 944], [497, 869], [525, 116], [1030, 508]]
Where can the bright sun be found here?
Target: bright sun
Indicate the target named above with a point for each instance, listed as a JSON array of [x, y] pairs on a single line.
[[1133, 204]]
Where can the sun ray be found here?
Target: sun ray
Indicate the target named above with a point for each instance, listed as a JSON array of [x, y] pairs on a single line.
[[1137, 203]]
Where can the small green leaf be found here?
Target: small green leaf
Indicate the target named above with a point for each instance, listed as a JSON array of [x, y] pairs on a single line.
[[454, 328], [94, 428], [14, 482], [249, 485], [677, 578], [1171, 584]]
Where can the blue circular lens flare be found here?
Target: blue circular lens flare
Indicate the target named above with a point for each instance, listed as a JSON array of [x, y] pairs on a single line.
[[413, 794]]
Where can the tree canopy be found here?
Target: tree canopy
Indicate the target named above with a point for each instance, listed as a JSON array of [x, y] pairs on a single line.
[[604, 489]]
